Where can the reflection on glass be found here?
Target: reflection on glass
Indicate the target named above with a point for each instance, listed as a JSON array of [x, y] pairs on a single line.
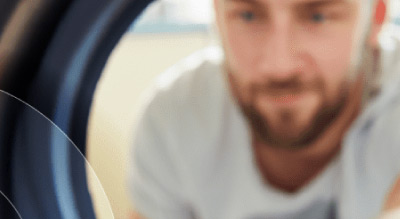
[[48, 171], [8, 208]]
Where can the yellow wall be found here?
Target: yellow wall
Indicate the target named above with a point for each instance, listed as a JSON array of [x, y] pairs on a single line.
[[134, 63]]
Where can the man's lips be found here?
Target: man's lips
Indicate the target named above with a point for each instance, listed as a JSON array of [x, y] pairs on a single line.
[[284, 99]]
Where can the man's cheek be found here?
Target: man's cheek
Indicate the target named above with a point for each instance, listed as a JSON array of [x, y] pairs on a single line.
[[333, 53], [335, 84], [243, 53]]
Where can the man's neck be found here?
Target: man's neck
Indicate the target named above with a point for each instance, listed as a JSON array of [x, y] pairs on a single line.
[[290, 170]]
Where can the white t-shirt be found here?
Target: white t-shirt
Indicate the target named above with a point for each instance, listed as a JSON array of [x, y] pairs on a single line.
[[192, 155]]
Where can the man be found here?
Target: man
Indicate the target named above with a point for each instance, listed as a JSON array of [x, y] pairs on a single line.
[[298, 117]]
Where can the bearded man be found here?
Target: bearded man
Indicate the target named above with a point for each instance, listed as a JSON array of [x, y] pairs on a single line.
[[297, 116]]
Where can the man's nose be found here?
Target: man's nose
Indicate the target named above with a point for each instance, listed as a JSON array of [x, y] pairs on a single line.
[[281, 52]]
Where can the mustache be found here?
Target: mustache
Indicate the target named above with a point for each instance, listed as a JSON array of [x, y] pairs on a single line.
[[293, 85]]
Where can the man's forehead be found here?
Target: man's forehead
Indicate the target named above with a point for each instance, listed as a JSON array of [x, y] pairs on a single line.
[[291, 2]]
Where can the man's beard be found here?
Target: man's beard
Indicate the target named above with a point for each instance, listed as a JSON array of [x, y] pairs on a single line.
[[264, 132]]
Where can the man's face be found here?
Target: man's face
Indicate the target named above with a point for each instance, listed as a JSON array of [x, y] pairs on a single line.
[[288, 63]]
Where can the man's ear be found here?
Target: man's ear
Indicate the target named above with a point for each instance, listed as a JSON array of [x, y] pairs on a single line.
[[378, 20], [217, 8]]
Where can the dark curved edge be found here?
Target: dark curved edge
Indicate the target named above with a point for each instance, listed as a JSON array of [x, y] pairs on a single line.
[[50, 85], [18, 67], [83, 103], [8, 114], [7, 7]]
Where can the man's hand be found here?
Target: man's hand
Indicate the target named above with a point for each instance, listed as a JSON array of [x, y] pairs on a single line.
[[391, 208], [135, 215]]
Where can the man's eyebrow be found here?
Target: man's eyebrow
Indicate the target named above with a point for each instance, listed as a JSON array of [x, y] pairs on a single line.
[[249, 2], [318, 3], [301, 3]]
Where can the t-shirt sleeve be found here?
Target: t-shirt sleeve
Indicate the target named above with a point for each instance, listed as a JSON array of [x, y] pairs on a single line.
[[155, 185]]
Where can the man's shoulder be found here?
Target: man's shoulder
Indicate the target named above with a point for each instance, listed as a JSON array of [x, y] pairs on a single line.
[[377, 129], [187, 107], [390, 56], [191, 72], [194, 85]]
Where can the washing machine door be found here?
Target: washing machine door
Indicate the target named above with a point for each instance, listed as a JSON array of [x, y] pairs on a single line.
[[51, 56]]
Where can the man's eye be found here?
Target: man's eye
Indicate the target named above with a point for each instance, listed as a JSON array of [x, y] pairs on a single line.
[[318, 17], [247, 15]]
